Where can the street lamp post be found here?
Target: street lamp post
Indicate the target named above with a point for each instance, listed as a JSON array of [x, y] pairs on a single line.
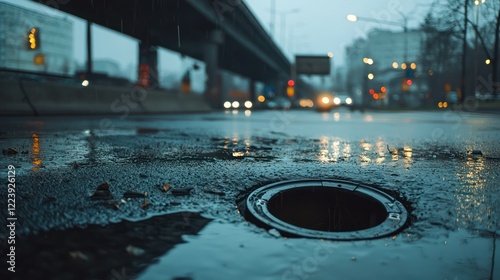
[[283, 24], [464, 56], [291, 35]]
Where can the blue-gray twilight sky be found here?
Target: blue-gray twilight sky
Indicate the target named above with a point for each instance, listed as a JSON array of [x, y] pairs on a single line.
[[312, 27]]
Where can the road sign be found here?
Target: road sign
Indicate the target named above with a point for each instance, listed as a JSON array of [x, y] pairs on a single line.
[[312, 65]]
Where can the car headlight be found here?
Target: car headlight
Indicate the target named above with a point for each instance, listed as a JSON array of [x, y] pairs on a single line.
[[336, 100], [227, 104], [348, 101], [325, 100], [248, 104]]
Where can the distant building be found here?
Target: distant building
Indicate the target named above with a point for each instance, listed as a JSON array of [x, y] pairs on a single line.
[[33, 41], [387, 47], [386, 55]]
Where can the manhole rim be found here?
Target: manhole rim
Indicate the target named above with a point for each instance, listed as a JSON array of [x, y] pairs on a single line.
[[397, 215]]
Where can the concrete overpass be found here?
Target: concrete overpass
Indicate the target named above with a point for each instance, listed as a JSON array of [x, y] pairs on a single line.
[[222, 33]]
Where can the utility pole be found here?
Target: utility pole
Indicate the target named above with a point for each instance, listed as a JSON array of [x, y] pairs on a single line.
[[464, 55], [89, 50], [273, 18]]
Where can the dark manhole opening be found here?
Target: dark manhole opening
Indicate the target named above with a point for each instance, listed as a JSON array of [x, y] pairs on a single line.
[[331, 209], [327, 209]]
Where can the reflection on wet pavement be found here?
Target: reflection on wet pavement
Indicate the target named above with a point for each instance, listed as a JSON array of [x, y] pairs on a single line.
[[88, 147], [35, 153], [459, 255], [476, 198], [103, 252]]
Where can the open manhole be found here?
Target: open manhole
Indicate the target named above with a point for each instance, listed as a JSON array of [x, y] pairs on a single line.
[[330, 209]]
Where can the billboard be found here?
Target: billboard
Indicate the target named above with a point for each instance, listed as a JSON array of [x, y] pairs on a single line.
[[312, 65]]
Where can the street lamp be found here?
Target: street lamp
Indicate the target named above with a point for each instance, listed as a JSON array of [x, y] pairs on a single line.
[[354, 18]]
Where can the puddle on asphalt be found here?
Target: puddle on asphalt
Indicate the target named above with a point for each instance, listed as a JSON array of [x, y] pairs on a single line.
[[102, 252], [239, 251]]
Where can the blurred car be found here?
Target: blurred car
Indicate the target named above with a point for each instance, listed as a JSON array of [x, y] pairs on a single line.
[[235, 104], [279, 103], [325, 102], [342, 100]]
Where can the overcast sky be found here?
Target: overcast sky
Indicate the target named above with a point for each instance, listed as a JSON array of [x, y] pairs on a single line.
[[312, 27], [320, 26]]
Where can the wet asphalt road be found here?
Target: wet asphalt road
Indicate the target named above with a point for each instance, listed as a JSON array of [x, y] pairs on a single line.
[[445, 165]]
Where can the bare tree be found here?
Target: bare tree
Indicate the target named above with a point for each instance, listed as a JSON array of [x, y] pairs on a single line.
[[448, 22]]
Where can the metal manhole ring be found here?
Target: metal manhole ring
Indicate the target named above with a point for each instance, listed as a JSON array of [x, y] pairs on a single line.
[[326, 209]]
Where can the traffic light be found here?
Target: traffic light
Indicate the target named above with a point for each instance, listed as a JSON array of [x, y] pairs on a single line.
[[33, 42], [290, 90], [409, 82]]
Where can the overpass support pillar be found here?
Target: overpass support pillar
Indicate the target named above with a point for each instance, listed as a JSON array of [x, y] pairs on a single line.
[[89, 49], [213, 89], [148, 66], [252, 89]]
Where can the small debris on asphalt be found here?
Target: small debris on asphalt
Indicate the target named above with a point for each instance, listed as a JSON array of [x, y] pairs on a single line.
[[114, 204], [10, 151], [215, 192], [131, 194], [181, 191], [145, 204], [102, 192], [78, 255], [353, 259], [165, 187], [134, 251], [25, 152]]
